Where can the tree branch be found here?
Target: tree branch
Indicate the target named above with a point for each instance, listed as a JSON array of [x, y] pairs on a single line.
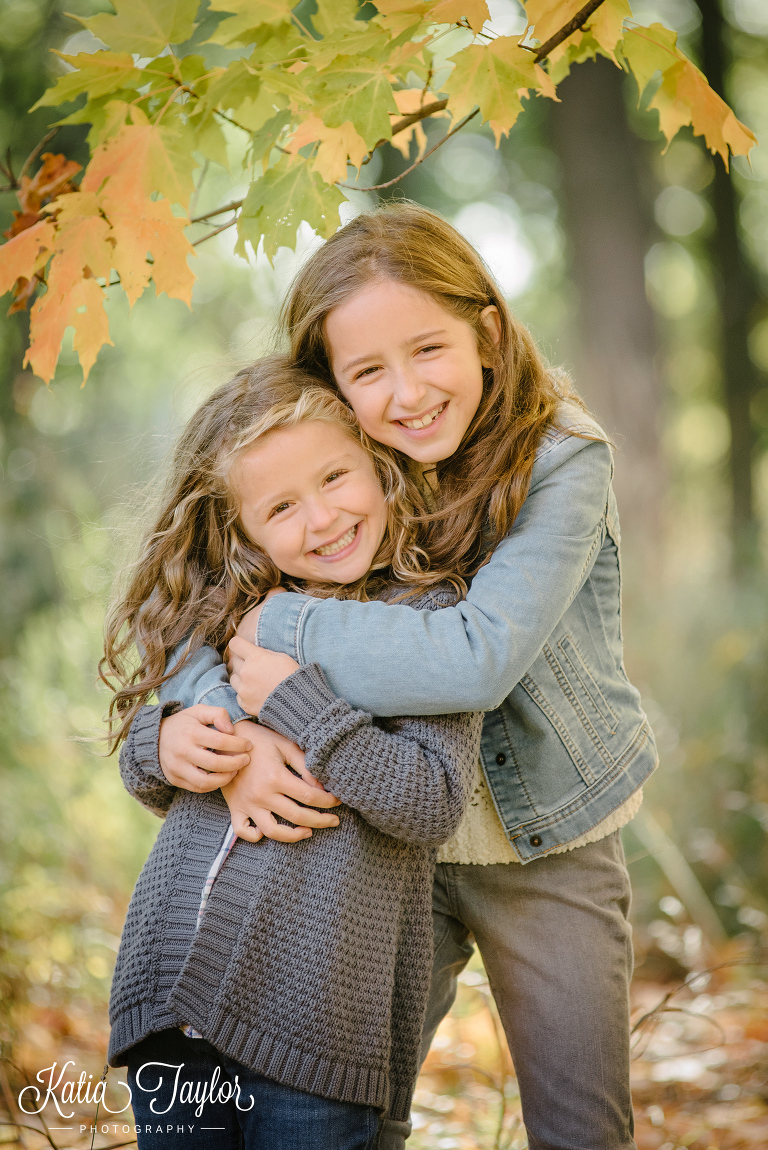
[[421, 159], [36, 152], [217, 212], [215, 232], [567, 30]]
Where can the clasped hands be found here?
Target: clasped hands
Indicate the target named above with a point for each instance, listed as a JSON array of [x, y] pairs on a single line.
[[201, 750]]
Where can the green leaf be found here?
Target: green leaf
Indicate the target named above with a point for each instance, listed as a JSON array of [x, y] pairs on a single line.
[[357, 90], [210, 140], [649, 50], [144, 26], [257, 11], [491, 77], [274, 41], [106, 114], [263, 141], [278, 202], [333, 16], [98, 73], [373, 42]]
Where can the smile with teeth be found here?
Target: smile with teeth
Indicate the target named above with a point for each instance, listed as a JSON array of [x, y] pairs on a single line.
[[430, 417], [339, 545]]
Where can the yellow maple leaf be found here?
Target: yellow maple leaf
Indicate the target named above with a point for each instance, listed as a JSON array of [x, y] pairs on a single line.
[[685, 97], [452, 11], [25, 254], [338, 147], [607, 22], [549, 16], [491, 77]]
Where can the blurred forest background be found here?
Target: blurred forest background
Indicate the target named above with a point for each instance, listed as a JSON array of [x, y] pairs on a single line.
[[646, 275]]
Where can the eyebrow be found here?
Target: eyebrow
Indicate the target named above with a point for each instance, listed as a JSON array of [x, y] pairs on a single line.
[[267, 502], [374, 355]]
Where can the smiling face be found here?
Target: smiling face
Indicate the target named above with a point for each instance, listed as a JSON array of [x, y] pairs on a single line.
[[409, 368], [311, 500]]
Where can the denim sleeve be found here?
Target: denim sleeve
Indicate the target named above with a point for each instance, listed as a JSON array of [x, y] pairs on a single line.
[[392, 660], [202, 679]]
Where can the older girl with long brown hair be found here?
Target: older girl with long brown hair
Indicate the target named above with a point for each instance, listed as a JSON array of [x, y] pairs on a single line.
[[398, 314]]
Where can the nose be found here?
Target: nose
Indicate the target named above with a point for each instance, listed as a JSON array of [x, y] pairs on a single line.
[[320, 513], [408, 391]]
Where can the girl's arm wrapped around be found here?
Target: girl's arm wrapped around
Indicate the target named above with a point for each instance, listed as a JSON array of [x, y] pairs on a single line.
[[411, 778], [140, 768]]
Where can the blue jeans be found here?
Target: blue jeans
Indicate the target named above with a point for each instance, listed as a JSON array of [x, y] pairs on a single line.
[[261, 1115]]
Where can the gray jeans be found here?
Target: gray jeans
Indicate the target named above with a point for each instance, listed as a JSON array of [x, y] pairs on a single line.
[[556, 943]]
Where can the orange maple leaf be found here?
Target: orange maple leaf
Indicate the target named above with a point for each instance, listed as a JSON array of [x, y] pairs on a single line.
[[26, 253], [151, 227], [53, 179], [79, 305], [684, 97]]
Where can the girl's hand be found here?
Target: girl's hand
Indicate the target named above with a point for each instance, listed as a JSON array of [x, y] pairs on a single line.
[[255, 672], [267, 788], [199, 750], [249, 622]]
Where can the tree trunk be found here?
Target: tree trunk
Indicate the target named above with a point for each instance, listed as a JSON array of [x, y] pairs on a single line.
[[738, 299], [609, 227]]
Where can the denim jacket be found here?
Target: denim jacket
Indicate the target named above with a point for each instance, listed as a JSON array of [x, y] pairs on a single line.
[[536, 644]]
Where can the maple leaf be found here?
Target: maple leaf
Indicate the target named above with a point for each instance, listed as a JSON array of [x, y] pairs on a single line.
[[685, 97], [97, 73], [492, 78], [26, 253], [338, 147], [142, 158], [649, 50], [607, 22], [53, 178], [151, 229], [548, 16], [258, 11], [336, 16], [357, 90], [278, 202], [144, 26], [399, 16], [80, 305], [452, 11], [82, 240]]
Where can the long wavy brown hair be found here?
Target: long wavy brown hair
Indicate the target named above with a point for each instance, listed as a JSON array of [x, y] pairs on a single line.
[[198, 571], [481, 488]]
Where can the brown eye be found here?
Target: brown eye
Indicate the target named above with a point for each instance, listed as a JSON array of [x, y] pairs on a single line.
[[277, 510]]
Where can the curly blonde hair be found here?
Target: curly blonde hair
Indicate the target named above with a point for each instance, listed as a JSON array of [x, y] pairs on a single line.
[[198, 571]]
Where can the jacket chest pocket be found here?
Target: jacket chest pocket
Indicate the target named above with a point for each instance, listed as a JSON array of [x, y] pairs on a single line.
[[580, 689]]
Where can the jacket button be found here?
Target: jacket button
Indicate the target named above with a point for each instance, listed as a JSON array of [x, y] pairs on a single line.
[[535, 840], [501, 759]]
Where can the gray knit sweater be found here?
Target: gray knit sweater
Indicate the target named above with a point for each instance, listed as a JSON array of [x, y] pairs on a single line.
[[313, 959]]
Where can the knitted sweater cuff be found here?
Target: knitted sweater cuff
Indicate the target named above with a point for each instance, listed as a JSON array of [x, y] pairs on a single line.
[[144, 740], [296, 701]]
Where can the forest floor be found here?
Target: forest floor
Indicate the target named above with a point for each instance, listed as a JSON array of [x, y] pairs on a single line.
[[699, 1072]]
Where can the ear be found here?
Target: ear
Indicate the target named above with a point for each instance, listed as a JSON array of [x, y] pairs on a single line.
[[491, 321]]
